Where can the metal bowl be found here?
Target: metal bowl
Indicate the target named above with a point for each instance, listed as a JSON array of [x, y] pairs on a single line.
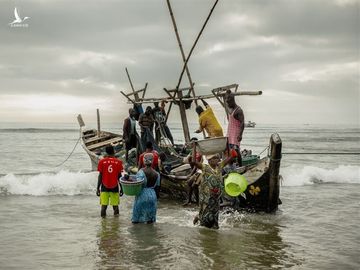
[[212, 146]]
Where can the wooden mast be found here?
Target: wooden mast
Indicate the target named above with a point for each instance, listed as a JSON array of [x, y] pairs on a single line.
[[182, 53], [179, 93], [181, 49], [193, 47], [98, 122], [178, 97], [136, 95]]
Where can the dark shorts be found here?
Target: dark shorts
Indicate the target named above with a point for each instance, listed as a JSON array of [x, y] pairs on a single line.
[[132, 143], [194, 180], [234, 146]]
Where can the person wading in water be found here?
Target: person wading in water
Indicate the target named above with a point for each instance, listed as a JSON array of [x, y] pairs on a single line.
[[110, 169], [210, 190]]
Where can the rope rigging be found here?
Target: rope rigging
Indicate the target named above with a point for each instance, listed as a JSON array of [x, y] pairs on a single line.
[[70, 153], [312, 153]]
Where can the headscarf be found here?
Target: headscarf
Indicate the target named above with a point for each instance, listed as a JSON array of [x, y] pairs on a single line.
[[148, 159]]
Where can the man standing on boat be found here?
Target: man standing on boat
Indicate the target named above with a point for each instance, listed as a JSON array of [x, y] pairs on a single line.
[[130, 136], [146, 122], [110, 169], [236, 124], [208, 121], [161, 128]]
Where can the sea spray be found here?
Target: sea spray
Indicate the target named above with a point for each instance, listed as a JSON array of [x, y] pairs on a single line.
[[43, 184], [297, 175]]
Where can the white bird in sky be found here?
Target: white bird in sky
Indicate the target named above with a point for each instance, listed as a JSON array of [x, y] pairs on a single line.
[[17, 17]]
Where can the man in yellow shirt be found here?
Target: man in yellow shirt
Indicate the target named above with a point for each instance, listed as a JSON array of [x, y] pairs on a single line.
[[208, 121]]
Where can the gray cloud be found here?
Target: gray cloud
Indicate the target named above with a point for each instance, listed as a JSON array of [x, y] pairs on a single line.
[[81, 48]]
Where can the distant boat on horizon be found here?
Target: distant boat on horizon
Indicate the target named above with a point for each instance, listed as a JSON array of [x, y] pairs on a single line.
[[250, 124]]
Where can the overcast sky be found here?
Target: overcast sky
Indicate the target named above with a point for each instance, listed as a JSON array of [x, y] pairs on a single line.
[[303, 55]]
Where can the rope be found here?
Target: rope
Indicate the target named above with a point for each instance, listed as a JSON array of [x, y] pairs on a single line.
[[267, 147], [70, 153], [322, 153]]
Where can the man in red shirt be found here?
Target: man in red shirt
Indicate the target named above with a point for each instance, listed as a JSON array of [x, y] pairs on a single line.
[[149, 149], [110, 169]]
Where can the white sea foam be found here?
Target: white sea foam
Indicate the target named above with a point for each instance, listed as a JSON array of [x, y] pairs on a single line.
[[75, 183], [60, 183], [308, 175]]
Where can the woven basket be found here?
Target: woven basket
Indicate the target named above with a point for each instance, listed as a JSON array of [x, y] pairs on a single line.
[[131, 188], [212, 146]]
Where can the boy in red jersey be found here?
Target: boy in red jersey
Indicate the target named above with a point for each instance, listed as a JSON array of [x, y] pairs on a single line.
[[110, 169]]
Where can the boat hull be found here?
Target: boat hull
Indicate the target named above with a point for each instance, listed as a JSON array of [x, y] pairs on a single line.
[[262, 193]]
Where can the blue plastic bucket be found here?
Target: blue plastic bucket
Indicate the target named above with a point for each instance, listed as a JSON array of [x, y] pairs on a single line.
[[235, 184]]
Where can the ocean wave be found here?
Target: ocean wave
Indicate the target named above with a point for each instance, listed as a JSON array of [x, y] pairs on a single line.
[[45, 184], [37, 130], [297, 175], [84, 183]]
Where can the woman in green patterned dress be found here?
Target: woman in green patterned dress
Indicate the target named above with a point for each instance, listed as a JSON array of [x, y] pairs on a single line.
[[210, 190]]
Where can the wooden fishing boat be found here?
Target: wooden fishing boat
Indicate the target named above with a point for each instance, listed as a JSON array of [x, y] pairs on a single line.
[[262, 192], [94, 142], [262, 174]]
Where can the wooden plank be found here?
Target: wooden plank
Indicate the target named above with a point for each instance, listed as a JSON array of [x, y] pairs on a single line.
[[226, 87], [136, 92], [97, 138], [88, 135], [171, 99], [132, 87], [101, 144], [143, 94], [129, 99], [181, 89]]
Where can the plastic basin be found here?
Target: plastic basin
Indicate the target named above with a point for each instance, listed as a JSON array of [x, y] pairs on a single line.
[[212, 146], [235, 184], [131, 188]]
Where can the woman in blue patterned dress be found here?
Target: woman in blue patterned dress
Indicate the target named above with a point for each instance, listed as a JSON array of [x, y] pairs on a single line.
[[145, 205]]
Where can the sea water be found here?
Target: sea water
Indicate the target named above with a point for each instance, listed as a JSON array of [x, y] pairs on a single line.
[[50, 215]]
